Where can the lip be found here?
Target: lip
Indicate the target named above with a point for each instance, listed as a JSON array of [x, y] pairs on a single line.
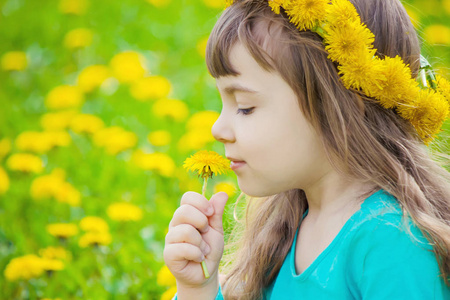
[[235, 163]]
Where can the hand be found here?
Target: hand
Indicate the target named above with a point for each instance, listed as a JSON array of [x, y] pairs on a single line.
[[195, 234]]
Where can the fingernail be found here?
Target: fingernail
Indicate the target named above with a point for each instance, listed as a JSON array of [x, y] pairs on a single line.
[[203, 257]]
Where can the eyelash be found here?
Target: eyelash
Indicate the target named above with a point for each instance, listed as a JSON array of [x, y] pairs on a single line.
[[245, 111]]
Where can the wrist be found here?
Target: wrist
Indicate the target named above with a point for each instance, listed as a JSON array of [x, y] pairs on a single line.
[[206, 292]]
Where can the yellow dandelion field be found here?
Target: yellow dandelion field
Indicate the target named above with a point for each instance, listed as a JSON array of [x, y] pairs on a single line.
[[104, 106]]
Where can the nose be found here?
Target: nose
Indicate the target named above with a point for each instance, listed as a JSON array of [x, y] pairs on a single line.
[[222, 129]]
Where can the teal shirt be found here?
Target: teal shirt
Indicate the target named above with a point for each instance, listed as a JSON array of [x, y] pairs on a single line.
[[372, 257]]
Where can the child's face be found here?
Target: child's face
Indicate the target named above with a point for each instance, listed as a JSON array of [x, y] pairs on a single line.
[[279, 148]]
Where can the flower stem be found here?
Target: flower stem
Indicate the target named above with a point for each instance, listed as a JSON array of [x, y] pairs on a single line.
[[204, 268], [205, 181]]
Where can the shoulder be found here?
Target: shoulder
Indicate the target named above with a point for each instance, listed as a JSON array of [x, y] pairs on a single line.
[[390, 251], [382, 221]]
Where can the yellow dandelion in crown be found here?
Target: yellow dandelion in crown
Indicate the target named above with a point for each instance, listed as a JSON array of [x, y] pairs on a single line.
[[206, 164], [341, 12], [443, 87], [305, 14], [397, 85], [364, 72], [426, 113], [347, 42], [276, 5]]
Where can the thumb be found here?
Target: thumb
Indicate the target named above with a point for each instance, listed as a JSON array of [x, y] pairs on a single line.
[[218, 202]]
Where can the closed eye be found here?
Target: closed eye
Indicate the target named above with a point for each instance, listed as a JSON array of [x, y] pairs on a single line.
[[245, 111]]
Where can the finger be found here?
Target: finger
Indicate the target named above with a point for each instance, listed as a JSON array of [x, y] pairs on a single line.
[[182, 252], [218, 201], [198, 201], [187, 214], [185, 233]]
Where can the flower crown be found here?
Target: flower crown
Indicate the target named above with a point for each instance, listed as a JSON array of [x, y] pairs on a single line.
[[423, 102]]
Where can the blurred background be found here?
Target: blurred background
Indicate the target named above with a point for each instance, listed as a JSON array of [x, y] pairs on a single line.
[[101, 102]]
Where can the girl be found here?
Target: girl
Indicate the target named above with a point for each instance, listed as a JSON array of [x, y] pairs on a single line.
[[348, 203]]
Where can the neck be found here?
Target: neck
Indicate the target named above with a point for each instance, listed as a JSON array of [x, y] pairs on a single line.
[[334, 195]]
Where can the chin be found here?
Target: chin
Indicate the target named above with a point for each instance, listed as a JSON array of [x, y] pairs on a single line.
[[256, 191]]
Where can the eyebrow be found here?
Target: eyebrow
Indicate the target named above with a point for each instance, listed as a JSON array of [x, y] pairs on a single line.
[[231, 89]]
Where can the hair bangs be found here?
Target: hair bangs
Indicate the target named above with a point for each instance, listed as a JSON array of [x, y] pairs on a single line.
[[237, 25], [220, 42]]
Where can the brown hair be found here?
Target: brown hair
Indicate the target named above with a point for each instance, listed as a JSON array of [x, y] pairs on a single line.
[[363, 140]]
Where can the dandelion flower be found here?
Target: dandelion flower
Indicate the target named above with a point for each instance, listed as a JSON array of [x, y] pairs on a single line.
[[92, 77], [52, 264], [4, 181], [24, 267], [169, 294], [202, 120], [346, 43], [95, 239], [75, 7], [25, 162], [159, 138], [157, 161], [128, 66], [114, 139], [94, 224], [14, 61], [276, 5], [397, 84], [226, 187], [55, 253], [446, 4], [207, 163], [306, 13], [413, 17], [201, 44], [174, 109], [124, 212], [341, 12], [362, 73], [443, 87], [33, 141], [86, 123], [67, 193], [60, 120], [64, 96], [46, 186], [5, 147], [78, 38], [228, 3], [62, 230], [437, 34], [195, 139], [165, 277], [151, 87], [426, 113]]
